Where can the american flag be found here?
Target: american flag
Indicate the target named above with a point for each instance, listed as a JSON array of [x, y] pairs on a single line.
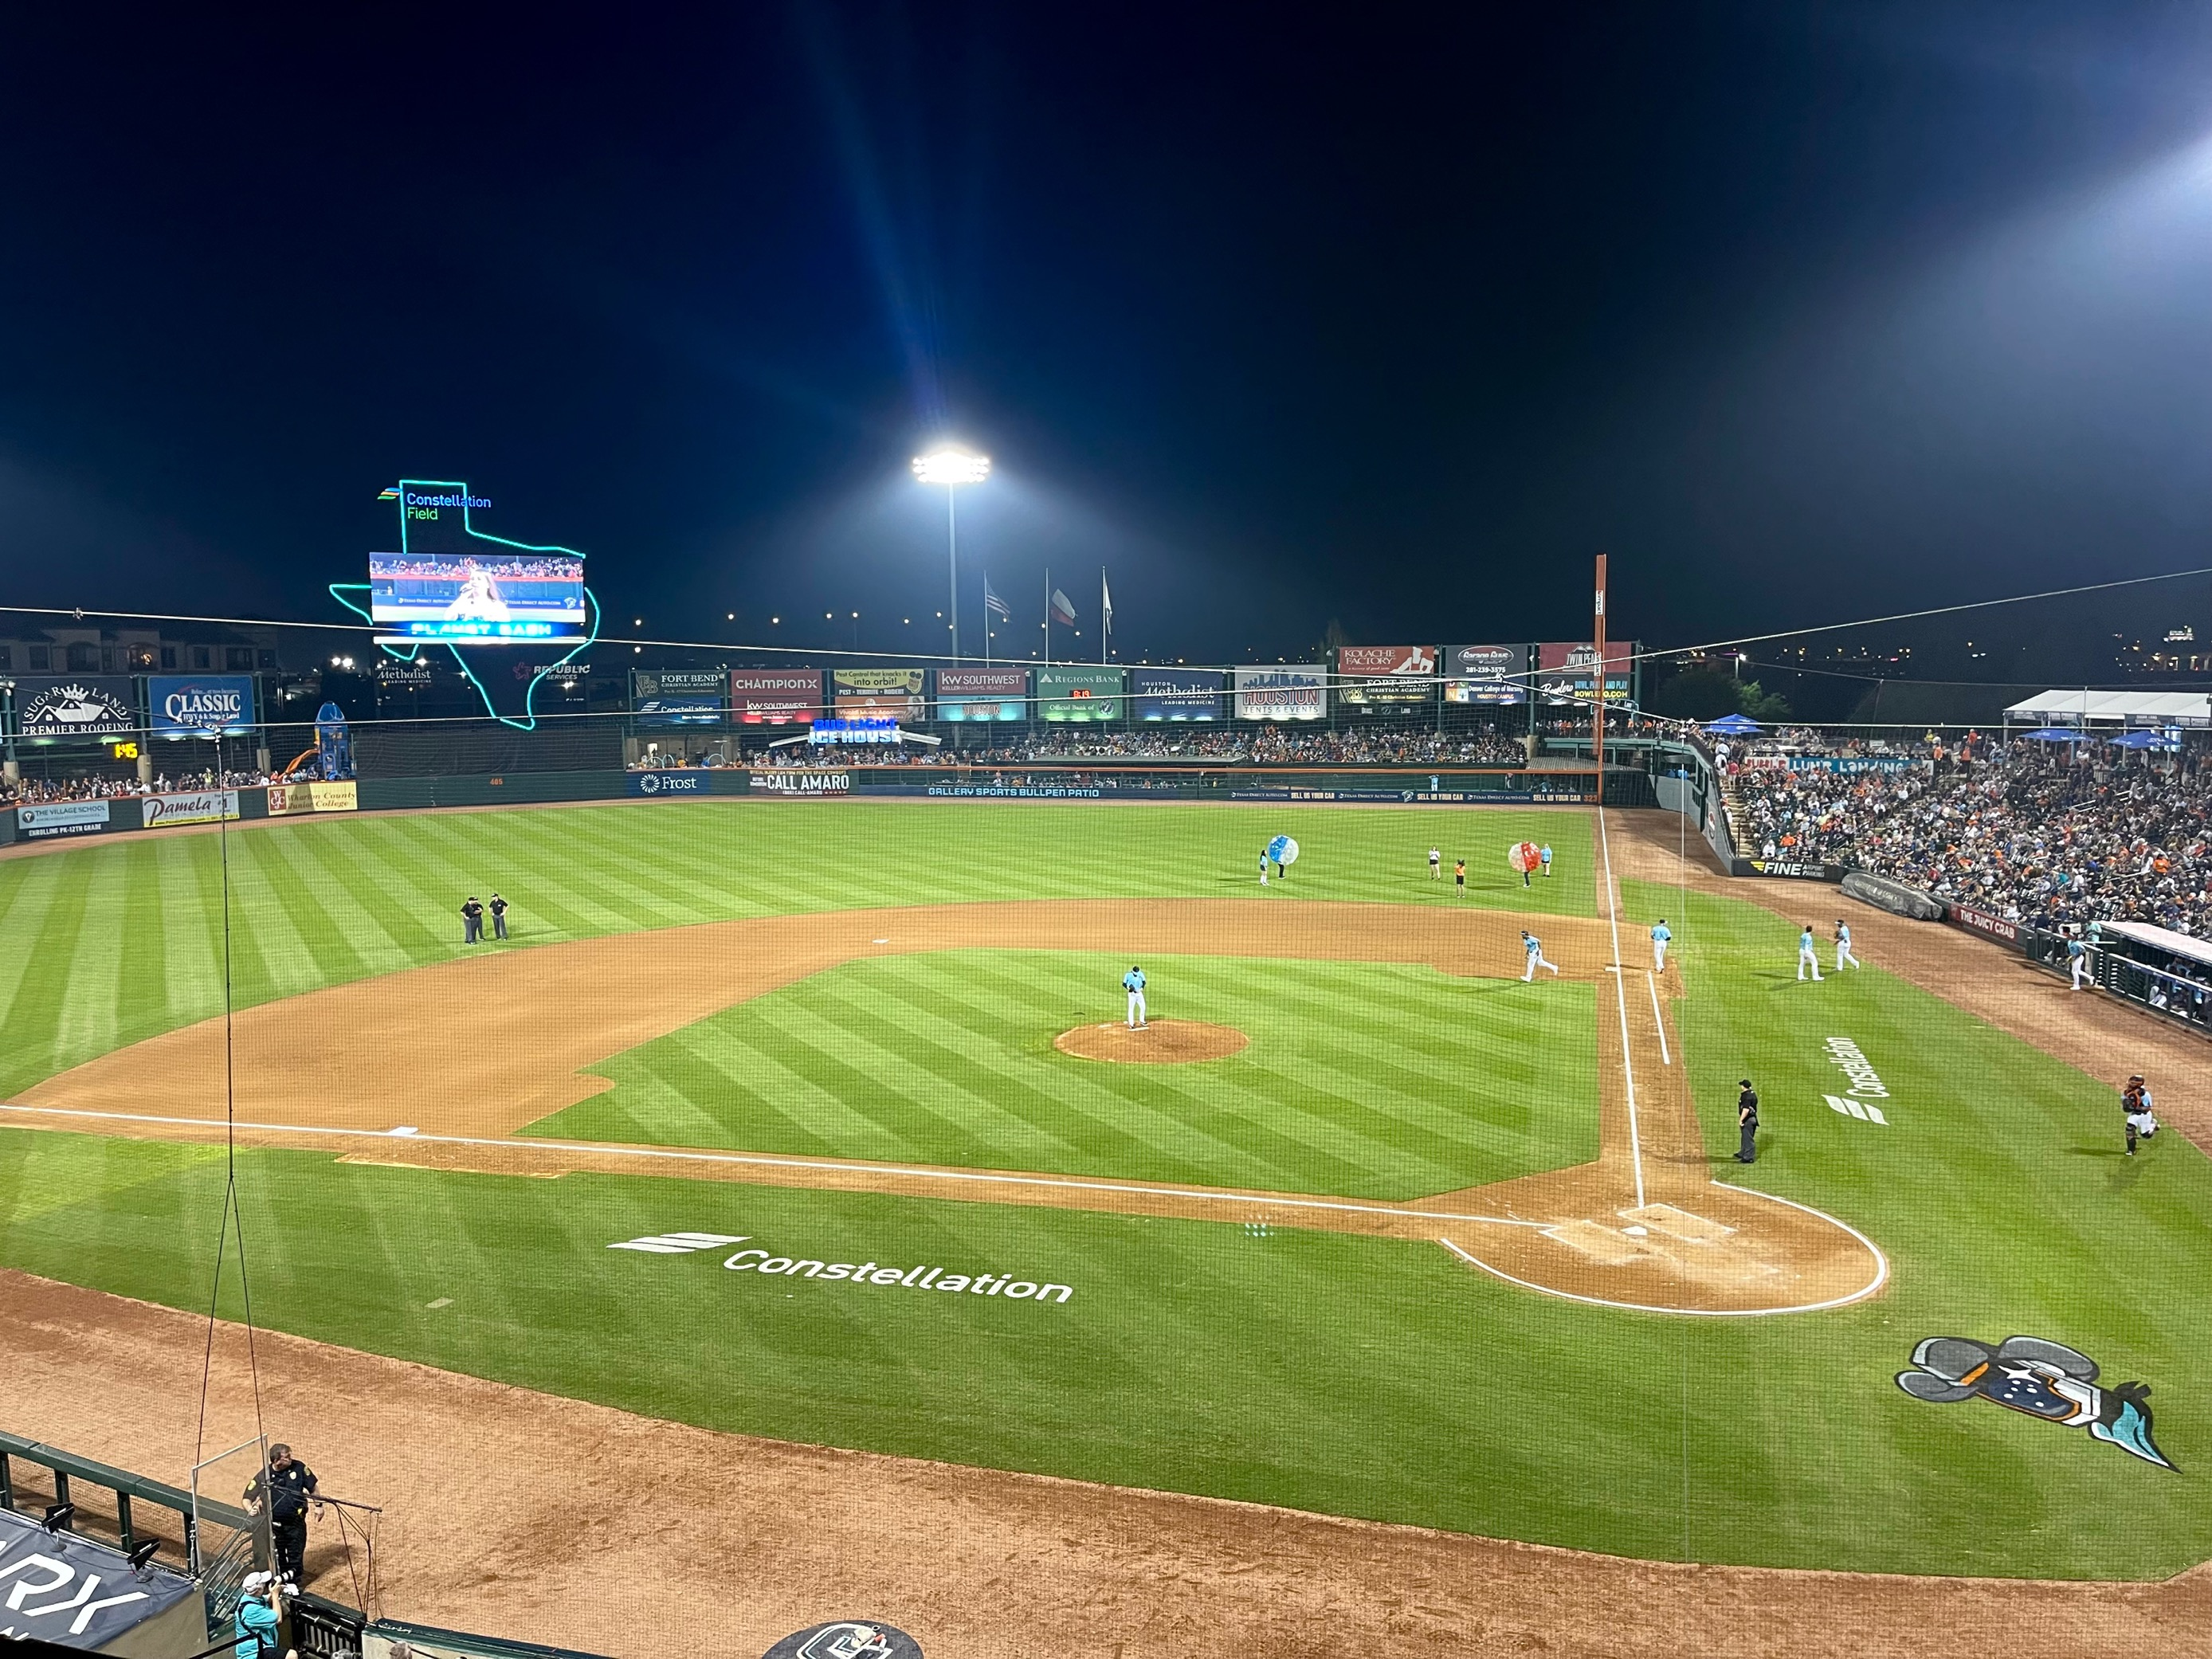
[[992, 605]]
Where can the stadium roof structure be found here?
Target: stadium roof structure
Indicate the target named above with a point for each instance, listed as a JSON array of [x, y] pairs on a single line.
[[2117, 707], [2164, 939]]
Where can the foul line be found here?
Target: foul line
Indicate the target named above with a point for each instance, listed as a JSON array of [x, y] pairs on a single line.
[[908, 1171], [1621, 1000], [1659, 1019], [1881, 1278]]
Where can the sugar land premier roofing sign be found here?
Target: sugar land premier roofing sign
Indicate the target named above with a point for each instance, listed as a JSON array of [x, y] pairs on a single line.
[[200, 706], [81, 706], [875, 1276]]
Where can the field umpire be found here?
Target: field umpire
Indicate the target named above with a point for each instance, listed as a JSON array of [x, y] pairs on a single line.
[[291, 1484], [1747, 1122]]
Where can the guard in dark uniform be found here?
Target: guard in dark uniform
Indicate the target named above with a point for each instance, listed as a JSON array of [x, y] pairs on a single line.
[[1747, 1122], [498, 916], [291, 1484], [471, 921]]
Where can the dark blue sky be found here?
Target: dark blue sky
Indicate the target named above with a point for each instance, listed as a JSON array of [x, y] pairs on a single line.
[[1390, 317]]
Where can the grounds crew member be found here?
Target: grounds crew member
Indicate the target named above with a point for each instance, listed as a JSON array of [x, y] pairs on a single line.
[[291, 1484], [257, 1618], [498, 916], [1134, 983], [471, 921], [1747, 1122]]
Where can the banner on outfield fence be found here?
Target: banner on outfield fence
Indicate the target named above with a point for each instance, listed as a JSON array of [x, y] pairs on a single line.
[[677, 696], [665, 782], [1981, 921], [1797, 869], [1368, 674], [1567, 671], [285, 799], [36, 820], [1081, 694], [774, 696], [1848, 764], [74, 706], [199, 705], [893, 691], [1495, 674], [189, 806], [982, 693], [1297, 692], [769, 780], [1176, 694]]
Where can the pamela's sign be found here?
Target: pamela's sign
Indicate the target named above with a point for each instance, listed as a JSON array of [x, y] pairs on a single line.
[[200, 706]]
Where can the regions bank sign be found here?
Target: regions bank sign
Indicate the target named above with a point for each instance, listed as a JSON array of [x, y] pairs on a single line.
[[201, 705]]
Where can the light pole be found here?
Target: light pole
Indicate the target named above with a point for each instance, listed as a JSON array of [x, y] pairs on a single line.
[[953, 466]]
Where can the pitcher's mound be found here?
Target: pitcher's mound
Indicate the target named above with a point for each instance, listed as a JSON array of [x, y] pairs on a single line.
[[1163, 1043]]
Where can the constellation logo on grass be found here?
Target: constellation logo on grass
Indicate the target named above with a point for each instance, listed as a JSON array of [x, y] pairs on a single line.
[[679, 1243], [923, 1277]]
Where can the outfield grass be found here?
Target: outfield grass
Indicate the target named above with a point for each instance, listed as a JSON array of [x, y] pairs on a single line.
[[113, 943], [1362, 1080], [1328, 1371]]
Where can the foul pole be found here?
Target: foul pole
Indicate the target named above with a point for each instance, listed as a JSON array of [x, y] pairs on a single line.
[[1597, 708]]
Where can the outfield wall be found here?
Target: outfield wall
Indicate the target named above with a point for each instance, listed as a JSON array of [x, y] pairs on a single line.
[[71, 821]]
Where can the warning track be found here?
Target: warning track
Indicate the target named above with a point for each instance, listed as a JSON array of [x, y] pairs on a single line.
[[501, 1040]]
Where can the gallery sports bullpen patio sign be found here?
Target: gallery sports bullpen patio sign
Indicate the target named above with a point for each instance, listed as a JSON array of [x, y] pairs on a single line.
[[874, 1275]]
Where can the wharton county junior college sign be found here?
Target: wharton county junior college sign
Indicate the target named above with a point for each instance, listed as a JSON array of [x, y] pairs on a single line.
[[922, 1276]]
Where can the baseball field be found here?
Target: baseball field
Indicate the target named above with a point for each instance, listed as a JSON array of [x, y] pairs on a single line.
[[821, 1122]]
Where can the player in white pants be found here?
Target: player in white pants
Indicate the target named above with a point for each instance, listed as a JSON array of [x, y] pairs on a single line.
[[1660, 938], [1134, 983], [1533, 948], [1808, 955], [2077, 963], [1844, 947]]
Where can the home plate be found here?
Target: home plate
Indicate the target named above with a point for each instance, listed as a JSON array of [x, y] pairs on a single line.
[[1635, 1232]]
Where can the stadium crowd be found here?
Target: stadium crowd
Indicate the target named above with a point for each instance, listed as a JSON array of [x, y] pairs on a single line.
[[44, 791], [2055, 836], [1265, 746]]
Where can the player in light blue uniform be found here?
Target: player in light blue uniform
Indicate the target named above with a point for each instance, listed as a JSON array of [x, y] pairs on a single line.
[[1844, 947], [1544, 856], [1660, 937], [1134, 983], [1535, 949], [1808, 955]]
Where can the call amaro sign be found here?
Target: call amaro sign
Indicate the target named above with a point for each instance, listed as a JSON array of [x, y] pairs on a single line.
[[200, 705]]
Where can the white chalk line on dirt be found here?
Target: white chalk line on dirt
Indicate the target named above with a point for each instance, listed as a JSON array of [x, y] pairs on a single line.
[[1658, 1019], [1621, 1000], [905, 1171], [1881, 1278]]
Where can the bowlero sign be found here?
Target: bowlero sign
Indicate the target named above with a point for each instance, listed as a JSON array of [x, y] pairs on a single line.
[[1386, 673], [1567, 670], [776, 696], [200, 706]]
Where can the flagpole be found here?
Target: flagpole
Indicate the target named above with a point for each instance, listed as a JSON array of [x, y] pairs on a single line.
[[1105, 617], [1048, 616], [987, 619]]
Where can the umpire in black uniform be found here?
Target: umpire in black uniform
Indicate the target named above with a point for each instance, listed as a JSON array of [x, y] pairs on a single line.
[[1747, 1122], [471, 921], [291, 1484]]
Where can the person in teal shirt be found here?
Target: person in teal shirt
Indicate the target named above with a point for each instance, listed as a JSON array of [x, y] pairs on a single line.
[[1660, 936], [257, 1618]]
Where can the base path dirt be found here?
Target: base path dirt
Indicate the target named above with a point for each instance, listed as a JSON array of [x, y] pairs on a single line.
[[552, 1521], [1156, 1043], [499, 1039]]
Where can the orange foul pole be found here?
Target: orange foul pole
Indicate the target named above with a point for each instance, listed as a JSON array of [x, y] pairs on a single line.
[[1597, 708]]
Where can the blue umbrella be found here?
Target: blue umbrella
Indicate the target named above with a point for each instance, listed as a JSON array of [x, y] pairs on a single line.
[[1736, 726], [2143, 740]]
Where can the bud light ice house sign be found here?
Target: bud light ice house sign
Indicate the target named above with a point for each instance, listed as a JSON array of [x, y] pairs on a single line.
[[200, 705]]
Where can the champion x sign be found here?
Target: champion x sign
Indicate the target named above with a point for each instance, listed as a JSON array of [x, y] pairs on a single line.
[[1856, 1109], [679, 1243]]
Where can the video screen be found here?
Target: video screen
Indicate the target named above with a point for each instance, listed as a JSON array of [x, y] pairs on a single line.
[[484, 598]]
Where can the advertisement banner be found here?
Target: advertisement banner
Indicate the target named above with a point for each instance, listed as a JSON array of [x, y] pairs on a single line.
[[1982, 921], [776, 696], [1797, 869], [893, 691], [677, 696], [1297, 692], [1567, 671], [288, 798], [36, 820], [1369, 674], [1494, 674], [199, 705], [1176, 694], [74, 706], [670, 783], [982, 693], [189, 806], [1081, 694], [1850, 763], [796, 783]]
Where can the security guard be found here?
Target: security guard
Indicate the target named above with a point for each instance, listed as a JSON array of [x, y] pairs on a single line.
[[1747, 1122], [291, 1484]]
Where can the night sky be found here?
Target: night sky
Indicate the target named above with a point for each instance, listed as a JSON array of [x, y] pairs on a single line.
[[1391, 317]]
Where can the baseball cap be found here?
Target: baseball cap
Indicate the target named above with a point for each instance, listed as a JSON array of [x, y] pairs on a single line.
[[1743, 1083], [257, 1582]]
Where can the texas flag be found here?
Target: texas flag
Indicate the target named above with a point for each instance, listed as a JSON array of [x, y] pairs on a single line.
[[1063, 609]]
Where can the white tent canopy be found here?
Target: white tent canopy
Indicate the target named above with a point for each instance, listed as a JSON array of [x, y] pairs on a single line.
[[2079, 707]]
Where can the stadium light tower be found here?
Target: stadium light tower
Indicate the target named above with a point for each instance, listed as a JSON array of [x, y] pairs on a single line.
[[953, 466]]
